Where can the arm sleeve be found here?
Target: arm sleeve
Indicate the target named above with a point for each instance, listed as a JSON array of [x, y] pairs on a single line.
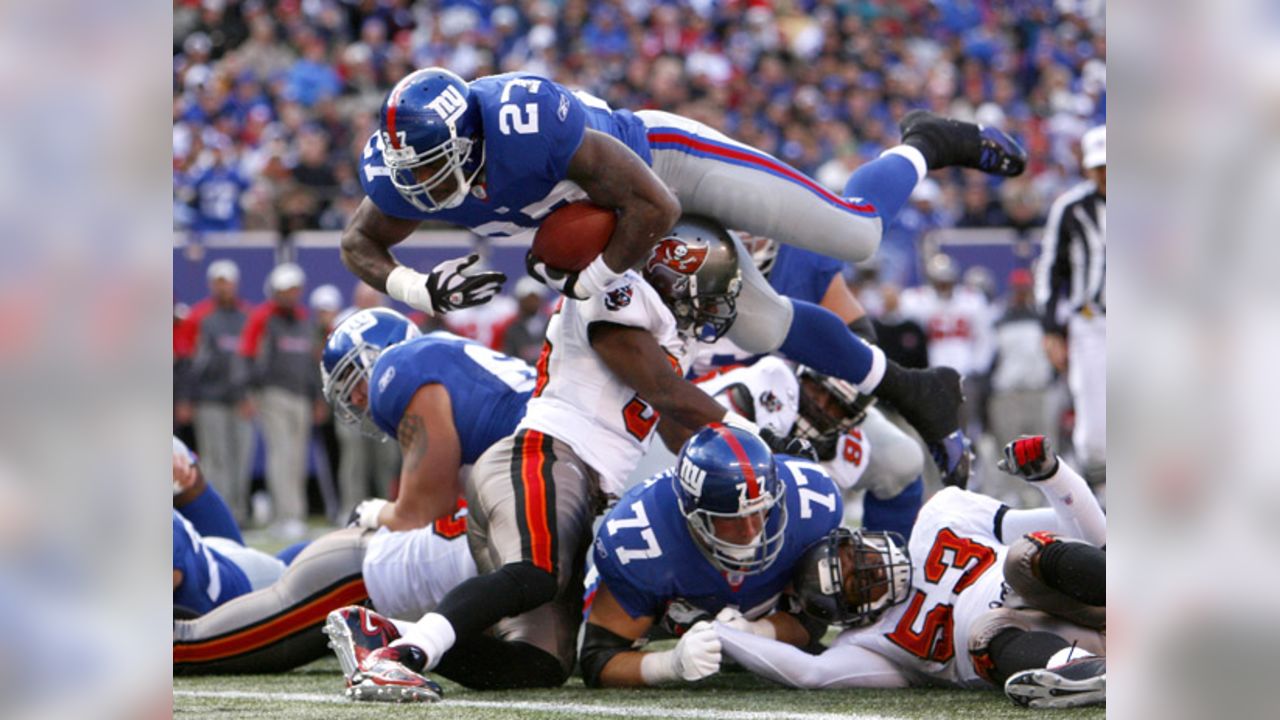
[[1074, 510], [843, 666]]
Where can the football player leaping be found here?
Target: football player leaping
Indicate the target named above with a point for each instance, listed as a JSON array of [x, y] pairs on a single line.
[[498, 154], [990, 596]]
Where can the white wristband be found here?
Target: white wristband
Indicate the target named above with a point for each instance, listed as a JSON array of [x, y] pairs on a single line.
[[410, 286], [658, 667], [733, 419], [595, 277]]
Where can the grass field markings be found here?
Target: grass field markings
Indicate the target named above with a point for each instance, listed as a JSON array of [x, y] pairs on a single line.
[[584, 708]]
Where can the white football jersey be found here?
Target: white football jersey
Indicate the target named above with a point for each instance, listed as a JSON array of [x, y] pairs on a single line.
[[775, 392], [579, 401], [957, 575], [408, 573]]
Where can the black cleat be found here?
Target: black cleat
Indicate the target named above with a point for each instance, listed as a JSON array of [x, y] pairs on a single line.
[[1074, 684], [928, 399], [946, 143]]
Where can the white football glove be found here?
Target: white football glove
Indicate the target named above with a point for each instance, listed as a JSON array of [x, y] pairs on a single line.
[[365, 515], [697, 655], [449, 286], [731, 617], [580, 285]]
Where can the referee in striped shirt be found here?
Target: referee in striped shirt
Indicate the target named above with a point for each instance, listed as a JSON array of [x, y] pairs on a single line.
[[1071, 291]]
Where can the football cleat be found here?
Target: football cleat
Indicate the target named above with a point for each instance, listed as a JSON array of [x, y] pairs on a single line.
[[928, 399], [354, 632], [965, 144], [1074, 684], [384, 676]]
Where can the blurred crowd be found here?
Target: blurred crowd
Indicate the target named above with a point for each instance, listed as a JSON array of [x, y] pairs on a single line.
[[272, 101]]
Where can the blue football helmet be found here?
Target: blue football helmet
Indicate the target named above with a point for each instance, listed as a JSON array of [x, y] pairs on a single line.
[[430, 127], [349, 354], [727, 472]]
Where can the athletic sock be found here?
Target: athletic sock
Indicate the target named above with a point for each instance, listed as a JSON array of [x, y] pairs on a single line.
[[1014, 650], [887, 181], [1076, 569], [819, 339]]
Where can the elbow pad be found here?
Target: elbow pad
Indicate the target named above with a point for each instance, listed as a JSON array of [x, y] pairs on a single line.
[[598, 648]]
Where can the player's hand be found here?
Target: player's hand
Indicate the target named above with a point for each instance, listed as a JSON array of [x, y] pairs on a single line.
[[451, 286], [731, 617], [562, 281], [365, 514], [789, 444], [697, 655], [1030, 457]]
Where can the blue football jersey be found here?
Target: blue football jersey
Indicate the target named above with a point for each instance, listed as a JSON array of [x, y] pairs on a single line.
[[802, 274], [487, 390], [208, 578], [532, 127], [646, 555]]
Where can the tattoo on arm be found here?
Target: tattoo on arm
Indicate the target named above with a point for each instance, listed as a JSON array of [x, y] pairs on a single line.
[[413, 440]]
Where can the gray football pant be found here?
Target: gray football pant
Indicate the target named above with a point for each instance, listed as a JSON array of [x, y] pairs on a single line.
[[277, 628], [286, 428], [225, 441], [746, 189], [532, 499]]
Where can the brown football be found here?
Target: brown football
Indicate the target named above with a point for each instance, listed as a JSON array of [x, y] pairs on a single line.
[[571, 237]]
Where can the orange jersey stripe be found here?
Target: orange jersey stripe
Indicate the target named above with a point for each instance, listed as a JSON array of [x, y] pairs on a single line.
[[259, 636], [535, 500]]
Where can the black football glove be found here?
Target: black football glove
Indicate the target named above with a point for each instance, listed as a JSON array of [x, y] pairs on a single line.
[[789, 445], [1030, 457], [452, 287], [564, 282]]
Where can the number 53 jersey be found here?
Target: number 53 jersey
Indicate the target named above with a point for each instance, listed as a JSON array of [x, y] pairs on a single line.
[[957, 575], [646, 556]]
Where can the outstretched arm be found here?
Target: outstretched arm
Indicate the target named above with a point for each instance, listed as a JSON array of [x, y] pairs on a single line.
[[1074, 507], [609, 660], [367, 241], [842, 666], [451, 285], [615, 177]]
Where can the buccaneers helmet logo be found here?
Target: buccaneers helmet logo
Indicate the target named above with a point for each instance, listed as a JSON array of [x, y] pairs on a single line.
[[677, 255]]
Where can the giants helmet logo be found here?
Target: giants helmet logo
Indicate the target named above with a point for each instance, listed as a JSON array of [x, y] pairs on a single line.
[[677, 255]]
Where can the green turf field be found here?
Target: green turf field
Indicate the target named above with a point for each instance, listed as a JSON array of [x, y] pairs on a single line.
[[315, 692]]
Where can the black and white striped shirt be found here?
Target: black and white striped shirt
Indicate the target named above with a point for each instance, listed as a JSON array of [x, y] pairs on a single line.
[[1072, 274]]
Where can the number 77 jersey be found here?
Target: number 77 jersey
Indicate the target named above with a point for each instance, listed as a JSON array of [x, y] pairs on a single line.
[[647, 557], [957, 576]]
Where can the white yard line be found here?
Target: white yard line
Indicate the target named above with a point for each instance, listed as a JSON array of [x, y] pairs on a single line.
[[584, 709]]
